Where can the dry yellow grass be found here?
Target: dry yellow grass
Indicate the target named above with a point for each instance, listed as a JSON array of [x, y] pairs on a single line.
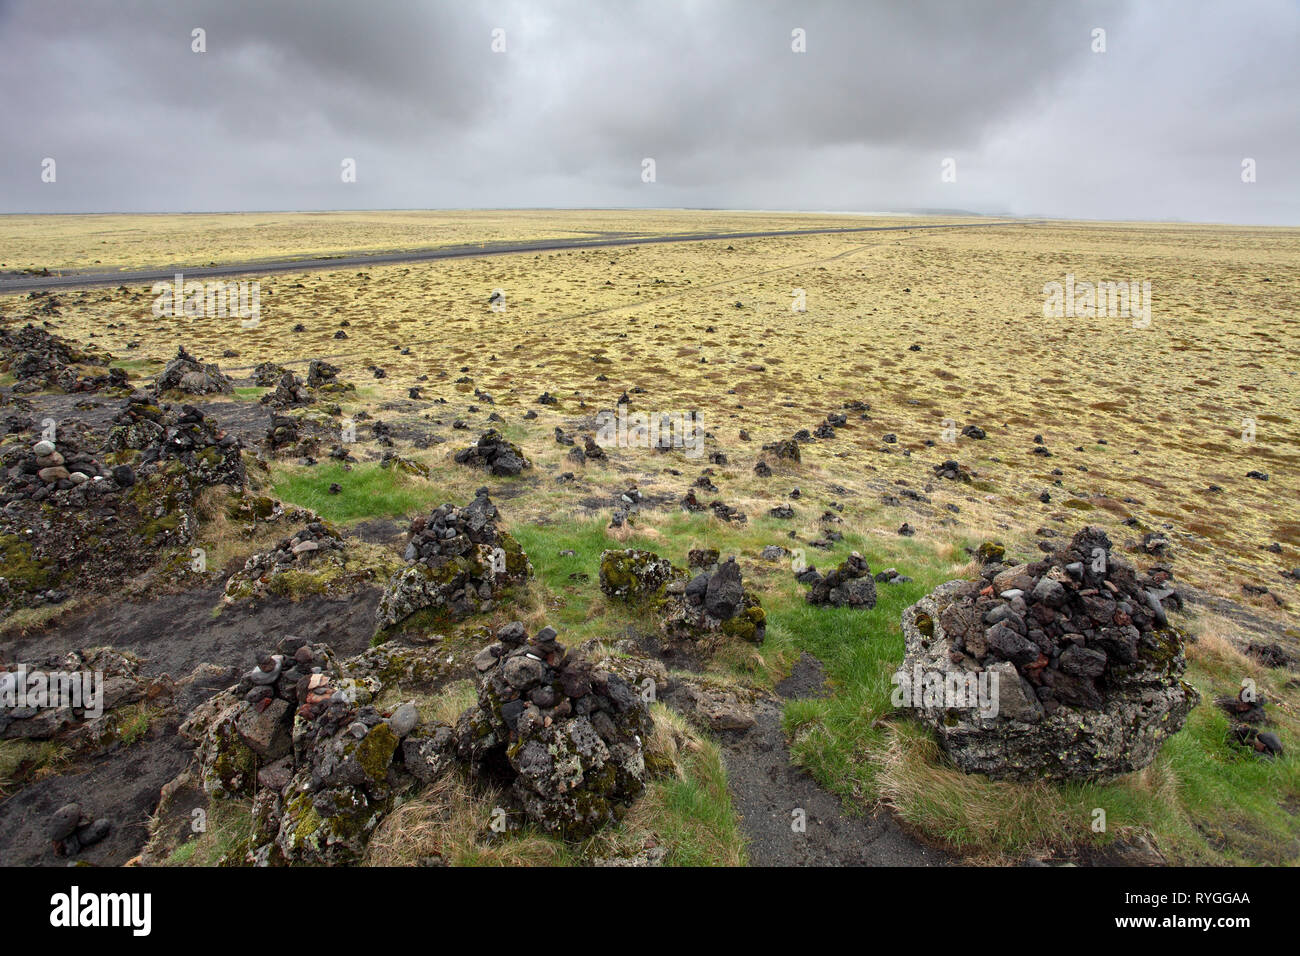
[[1168, 400]]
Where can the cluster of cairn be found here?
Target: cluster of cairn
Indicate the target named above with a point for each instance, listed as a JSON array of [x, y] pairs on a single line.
[[210, 455], [39, 360], [851, 584], [1088, 667], [571, 732], [494, 453], [185, 373], [459, 560]]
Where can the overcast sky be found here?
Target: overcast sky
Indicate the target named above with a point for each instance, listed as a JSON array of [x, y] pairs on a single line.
[[1155, 127]]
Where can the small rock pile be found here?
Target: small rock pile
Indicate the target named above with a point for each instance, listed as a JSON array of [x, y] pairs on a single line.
[[1248, 716], [785, 450], [294, 553], [267, 374], [714, 601], [572, 733], [38, 360], [70, 830], [185, 373], [494, 453], [1088, 668], [44, 468], [851, 584], [290, 392], [209, 454], [459, 562], [324, 376]]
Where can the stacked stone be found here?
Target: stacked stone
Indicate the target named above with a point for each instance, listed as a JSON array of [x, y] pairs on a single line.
[[459, 561], [571, 732], [289, 392], [38, 360], [1089, 669], [849, 585], [161, 434], [295, 551], [44, 468], [953, 471], [713, 601], [185, 373], [494, 453], [267, 374], [785, 450]]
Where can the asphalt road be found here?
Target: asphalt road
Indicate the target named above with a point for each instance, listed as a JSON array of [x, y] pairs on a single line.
[[13, 282]]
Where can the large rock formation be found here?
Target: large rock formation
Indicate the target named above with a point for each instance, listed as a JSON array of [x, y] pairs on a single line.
[[1087, 667]]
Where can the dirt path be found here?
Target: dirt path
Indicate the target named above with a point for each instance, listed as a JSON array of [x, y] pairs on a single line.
[[768, 790]]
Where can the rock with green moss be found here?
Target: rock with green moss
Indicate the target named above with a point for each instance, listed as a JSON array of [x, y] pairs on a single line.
[[459, 564], [571, 730], [636, 575], [714, 602]]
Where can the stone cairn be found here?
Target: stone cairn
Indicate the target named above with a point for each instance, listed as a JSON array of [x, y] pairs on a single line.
[[293, 553], [1088, 667], [494, 453], [185, 373], [298, 733], [690, 606], [38, 360], [458, 562], [849, 585], [570, 733]]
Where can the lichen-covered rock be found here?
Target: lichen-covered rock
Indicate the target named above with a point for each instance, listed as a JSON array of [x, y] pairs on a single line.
[[185, 373], [636, 575], [714, 602], [571, 731], [301, 733], [459, 561], [494, 453], [306, 561], [39, 360], [1076, 668], [851, 584]]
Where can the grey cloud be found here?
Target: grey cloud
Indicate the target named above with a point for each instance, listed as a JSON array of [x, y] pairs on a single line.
[[1155, 127]]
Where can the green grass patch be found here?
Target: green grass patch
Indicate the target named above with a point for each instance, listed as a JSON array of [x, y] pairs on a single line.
[[368, 491]]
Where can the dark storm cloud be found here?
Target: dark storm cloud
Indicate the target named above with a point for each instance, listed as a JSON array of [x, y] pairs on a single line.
[[1155, 127]]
